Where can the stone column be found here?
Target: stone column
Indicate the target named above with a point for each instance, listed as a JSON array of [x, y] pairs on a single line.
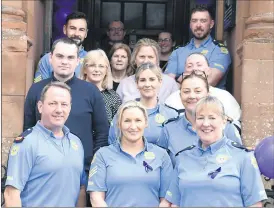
[[14, 56], [257, 73]]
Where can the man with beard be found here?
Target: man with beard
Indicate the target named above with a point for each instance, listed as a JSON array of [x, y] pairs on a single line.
[[201, 23], [116, 33], [75, 29]]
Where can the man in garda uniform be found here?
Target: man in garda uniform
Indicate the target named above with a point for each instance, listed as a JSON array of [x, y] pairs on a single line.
[[88, 118], [75, 29], [217, 54], [46, 162]]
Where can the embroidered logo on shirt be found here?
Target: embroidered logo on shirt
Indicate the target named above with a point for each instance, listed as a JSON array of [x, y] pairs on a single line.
[[149, 155], [90, 183], [159, 118], [224, 50], [220, 159], [14, 150], [219, 65], [254, 162], [74, 145], [92, 172], [204, 52], [38, 78], [169, 193], [9, 178]]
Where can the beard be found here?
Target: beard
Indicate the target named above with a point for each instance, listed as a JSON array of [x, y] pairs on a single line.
[[77, 40], [202, 36]]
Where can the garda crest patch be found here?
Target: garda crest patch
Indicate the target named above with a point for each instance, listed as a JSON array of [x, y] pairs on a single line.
[[220, 159], [74, 145], [204, 52], [159, 118], [149, 155], [14, 150], [224, 50]]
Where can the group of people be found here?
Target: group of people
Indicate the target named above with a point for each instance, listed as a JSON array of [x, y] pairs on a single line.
[[145, 128]]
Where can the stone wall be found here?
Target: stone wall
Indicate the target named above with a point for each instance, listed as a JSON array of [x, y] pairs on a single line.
[[19, 57], [253, 53]]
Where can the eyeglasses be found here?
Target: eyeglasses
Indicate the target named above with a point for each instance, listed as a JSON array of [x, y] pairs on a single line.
[[166, 40], [196, 72], [118, 29]]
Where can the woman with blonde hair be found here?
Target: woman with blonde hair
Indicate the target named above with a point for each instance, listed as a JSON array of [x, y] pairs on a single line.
[[145, 50], [215, 172], [96, 69], [119, 57], [131, 172], [148, 79]]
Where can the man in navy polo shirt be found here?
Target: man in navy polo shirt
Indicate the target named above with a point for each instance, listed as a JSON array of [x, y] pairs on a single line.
[[88, 118], [46, 162]]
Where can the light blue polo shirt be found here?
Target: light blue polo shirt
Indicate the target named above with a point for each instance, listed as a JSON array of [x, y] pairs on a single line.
[[222, 175], [44, 69], [179, 134], [156, 117], [48, 171], [217, 55], [130, 181]]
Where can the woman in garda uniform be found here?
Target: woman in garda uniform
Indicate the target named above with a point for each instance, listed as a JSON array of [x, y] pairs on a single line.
[[130, 172], [96, 69], [217, 172], [145, 50], [181, 133], [148, 79]]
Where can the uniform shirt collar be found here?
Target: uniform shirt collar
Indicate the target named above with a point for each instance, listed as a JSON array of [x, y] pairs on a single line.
[[68, 82], [81, 50], [203, 44], [213, 147], [187, 125], [151, 111], [49, 132], [117, 144]]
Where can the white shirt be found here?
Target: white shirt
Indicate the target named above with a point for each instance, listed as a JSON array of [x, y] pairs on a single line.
[[127, 89], [231, 106]]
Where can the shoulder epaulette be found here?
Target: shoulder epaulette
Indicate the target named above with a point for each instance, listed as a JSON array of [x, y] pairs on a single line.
[[188, 148], [216, 42], [179, 111], [178, 46], [237, 145], [22, 136], [170, 120]]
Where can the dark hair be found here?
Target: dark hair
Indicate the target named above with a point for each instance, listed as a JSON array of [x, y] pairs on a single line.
[[76, 15], [193, 75], [201, 8], [56, 84], [166, 31], [116, 21], [65, 40], [200, 54]]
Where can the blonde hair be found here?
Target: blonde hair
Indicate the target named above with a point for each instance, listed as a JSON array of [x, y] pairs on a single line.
[[125, 106], [144, 42], [124, 47], [152, 67], [92, 57], [210, 101]]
